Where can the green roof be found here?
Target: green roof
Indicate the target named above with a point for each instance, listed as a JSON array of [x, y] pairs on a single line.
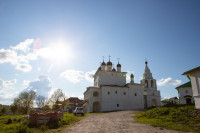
[[188, 84], [187, 72]]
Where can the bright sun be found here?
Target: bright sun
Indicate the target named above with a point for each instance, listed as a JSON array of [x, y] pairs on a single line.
[[60, 52], [57, 53]]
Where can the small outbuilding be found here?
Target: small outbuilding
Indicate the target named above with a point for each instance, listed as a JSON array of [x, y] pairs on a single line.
[[185, 93]]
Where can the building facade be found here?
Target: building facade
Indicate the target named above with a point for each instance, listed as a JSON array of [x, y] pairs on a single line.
[[73, 103], [111, 92], [185, 93], [194, 75]]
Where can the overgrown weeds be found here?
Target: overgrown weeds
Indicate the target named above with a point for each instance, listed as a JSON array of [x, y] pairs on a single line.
[[181, 118], [17, 124]]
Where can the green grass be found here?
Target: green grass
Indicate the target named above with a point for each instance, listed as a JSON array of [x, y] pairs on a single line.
[[16, 124], [177, 118]]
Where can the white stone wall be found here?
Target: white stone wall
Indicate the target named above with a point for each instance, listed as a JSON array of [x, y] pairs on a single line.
[[111, 96], [110, 78], [124, 97], [118, 69], [195, 80], [152, 94], [183, 92], [88, 95]]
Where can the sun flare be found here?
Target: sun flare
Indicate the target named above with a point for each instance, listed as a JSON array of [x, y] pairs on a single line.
[[57, 52]]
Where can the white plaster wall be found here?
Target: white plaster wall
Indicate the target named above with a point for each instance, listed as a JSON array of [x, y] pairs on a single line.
[[109, 68], [182, 93], [197, 102], [152, 94], [118, 69], [103, 67], [126, 102], [110, 78], [195, 80], [194, 85]]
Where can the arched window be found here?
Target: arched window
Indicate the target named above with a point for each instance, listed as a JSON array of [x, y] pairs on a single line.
[[115, 92], [186, 91], [151, 83], [124, 93], [95, 94], [108, 93], [146, 83], [135, 94]]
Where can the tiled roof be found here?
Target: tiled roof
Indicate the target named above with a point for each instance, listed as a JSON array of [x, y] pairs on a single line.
[[188, 84]]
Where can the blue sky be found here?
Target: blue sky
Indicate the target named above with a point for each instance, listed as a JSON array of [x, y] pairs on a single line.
[[51, 44]]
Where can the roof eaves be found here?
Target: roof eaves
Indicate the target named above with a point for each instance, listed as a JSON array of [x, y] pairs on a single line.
[[191, 70], [187, 84]]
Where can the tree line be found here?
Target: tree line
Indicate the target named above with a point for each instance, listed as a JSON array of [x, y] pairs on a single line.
[[25, 102]]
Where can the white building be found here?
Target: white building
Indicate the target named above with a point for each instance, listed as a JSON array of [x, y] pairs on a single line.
[[111, 92], [194, 75], [173, 100], [185, 93]]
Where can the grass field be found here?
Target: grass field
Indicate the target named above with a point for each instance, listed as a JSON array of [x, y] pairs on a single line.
[[184, 118], [16, 124]]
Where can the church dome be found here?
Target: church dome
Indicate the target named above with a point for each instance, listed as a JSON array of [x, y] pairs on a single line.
[[109, 63], [99, 68], [103, 63], [118, 65], [113, 70]]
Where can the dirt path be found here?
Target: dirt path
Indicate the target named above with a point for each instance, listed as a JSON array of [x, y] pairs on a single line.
[[113, 122]]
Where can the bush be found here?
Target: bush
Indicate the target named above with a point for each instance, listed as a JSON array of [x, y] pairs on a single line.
[[22, 129], [9, 121], [43, 128]]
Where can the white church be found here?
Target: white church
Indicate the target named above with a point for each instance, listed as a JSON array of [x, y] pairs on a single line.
[[111, 92]]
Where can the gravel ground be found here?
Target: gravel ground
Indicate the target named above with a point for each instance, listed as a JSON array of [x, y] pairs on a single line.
[[113, 122]]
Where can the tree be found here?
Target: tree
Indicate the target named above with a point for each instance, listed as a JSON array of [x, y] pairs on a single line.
[[24, 102], [13, 108], [3, 110], [57, 99], [41, 101], [46, 107]]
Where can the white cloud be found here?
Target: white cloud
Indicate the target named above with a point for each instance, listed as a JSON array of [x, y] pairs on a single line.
[[89, 76], [7, 91], [81, 97], [6, 98], [19, 61], [24, 67], [23, 46], [26, 82], [40, 85], [38, 68], [10, 95], [73, 76], [168, 81], [8, 56], [5, 84]]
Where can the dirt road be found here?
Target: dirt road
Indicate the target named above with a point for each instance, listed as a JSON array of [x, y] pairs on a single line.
[[113, 122]]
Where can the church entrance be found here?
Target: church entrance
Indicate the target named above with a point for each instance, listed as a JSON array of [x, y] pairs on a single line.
[[188, 101], [153, 102], [96, 107]]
